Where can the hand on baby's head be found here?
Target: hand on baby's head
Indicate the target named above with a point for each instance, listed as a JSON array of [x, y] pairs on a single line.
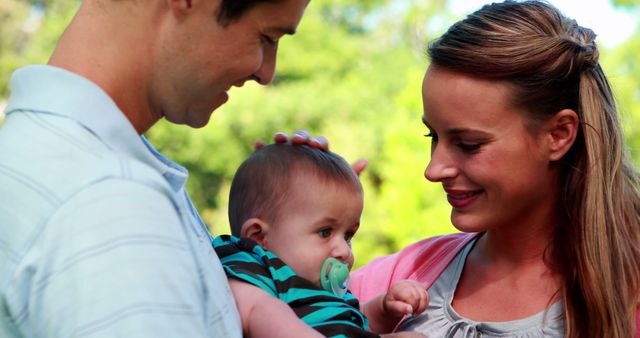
[[299, 137], [405, 297], [304, 137]]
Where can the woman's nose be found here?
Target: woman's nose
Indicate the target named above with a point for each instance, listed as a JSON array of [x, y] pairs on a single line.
[[441, 166]]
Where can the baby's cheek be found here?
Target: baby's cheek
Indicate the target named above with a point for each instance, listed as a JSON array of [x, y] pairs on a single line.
[[350, 261]]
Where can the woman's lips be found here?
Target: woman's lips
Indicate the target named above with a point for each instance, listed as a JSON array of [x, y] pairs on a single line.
[[460, 199]]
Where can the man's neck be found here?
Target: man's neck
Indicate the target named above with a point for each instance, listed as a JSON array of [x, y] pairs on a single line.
[[111, 45]]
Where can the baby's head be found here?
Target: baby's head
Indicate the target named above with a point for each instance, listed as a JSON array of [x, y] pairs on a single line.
[[301, 203]]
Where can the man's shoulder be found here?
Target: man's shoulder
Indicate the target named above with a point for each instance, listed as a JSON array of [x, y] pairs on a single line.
[[50, 164], [56, 157]]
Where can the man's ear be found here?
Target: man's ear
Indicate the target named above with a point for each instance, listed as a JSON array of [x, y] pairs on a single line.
[[255, 229], [563, 130]]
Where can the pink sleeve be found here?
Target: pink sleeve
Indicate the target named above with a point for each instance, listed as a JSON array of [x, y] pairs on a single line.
[[422, 261], [373, 278]]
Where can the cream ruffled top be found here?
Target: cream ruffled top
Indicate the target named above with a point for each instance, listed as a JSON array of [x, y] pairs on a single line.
[[441, 320]]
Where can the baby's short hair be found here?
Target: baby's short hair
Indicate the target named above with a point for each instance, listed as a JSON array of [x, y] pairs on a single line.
[[263, 180]]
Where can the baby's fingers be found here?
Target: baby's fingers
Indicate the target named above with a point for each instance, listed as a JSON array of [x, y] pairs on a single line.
[[412, 293], [422, 301], [399, 308]]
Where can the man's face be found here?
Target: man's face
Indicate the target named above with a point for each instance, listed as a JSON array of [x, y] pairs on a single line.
[[199, 58]]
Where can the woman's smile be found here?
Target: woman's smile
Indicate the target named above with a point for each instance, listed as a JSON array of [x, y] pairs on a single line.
[[462, 198]]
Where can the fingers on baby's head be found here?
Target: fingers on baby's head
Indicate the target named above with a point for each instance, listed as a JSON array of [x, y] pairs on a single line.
[[280, 137]]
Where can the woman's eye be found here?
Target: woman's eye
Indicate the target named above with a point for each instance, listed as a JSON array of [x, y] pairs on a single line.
[[433, 136], [324, 233], [469, 147]]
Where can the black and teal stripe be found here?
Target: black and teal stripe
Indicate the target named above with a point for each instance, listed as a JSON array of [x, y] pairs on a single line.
[[331, 315]]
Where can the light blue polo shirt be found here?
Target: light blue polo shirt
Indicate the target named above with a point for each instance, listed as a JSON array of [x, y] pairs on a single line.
[[98, 237]]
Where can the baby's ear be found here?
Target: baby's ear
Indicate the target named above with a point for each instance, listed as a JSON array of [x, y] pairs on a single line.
[[255, 229]]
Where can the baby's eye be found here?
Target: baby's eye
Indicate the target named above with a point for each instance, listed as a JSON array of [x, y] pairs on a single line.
[[349, 236], [325, 233]]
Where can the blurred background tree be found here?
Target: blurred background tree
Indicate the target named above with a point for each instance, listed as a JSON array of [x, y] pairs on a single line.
[[353, 73]]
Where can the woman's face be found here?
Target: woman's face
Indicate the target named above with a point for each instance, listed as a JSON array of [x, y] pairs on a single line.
[[492, 167]]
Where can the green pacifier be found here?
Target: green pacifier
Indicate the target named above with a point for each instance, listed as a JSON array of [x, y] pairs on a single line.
[[334, 275]]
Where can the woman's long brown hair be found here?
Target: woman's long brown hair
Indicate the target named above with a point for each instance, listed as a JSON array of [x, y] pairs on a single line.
[[552, 64]]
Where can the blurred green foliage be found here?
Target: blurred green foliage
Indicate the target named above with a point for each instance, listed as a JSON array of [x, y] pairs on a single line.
[[353, 73]]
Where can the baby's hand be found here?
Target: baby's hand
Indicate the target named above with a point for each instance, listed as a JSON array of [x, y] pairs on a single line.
[[405, 297]]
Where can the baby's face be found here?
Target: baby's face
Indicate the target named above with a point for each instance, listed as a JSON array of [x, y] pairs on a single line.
[[316, 222]]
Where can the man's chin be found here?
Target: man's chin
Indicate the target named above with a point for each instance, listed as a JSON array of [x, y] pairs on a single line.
[[201, 122], [222, 99], [193, 120], [196, 117]]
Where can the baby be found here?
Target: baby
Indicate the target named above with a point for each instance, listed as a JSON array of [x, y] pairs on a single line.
[[293, 211]]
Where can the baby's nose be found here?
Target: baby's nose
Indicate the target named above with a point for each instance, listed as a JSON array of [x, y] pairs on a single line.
[[342, 251]]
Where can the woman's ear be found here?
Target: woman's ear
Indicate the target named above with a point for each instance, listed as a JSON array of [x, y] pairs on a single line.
[[563, 130], [180, 8], [255, 229]]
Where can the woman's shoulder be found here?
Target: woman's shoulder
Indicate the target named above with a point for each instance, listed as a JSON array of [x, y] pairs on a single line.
[[428, 248], [420, 261], [438, 244]]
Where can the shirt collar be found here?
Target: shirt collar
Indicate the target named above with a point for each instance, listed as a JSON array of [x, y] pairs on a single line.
[[56, 91]]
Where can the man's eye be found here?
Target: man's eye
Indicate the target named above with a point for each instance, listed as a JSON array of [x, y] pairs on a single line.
[[271, 42]]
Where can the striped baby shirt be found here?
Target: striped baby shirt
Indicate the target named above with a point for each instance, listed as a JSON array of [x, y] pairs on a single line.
[[331, 315]]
